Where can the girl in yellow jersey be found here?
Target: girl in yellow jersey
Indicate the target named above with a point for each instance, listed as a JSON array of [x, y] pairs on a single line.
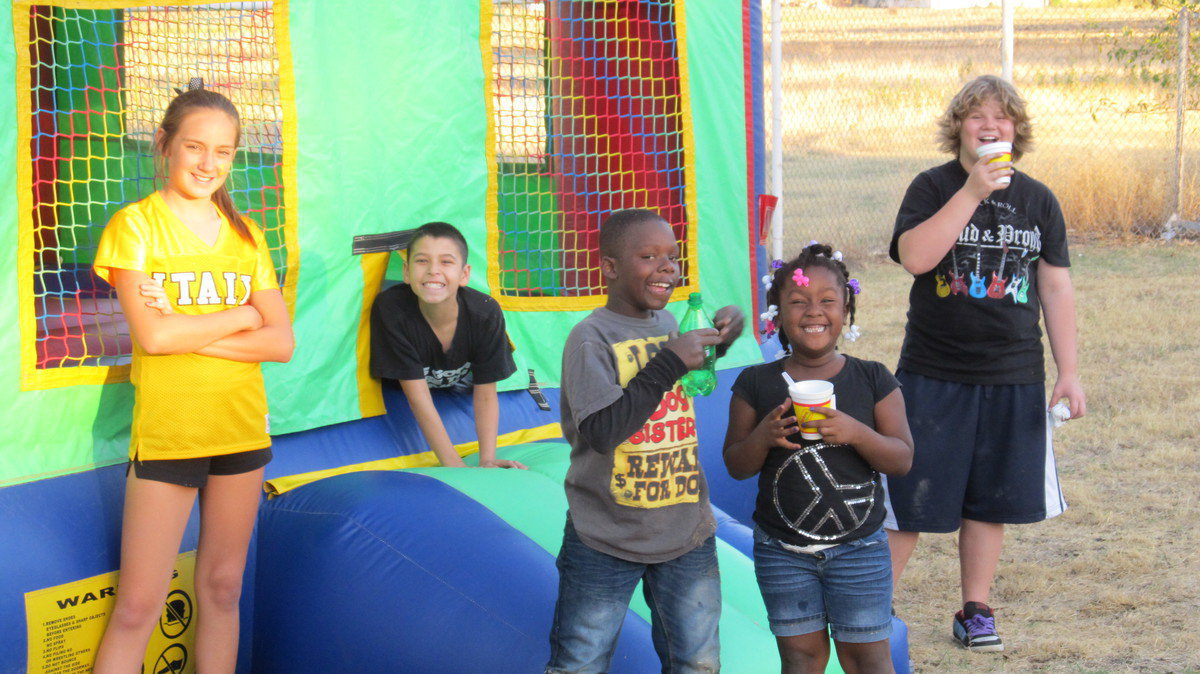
[[198, 288]]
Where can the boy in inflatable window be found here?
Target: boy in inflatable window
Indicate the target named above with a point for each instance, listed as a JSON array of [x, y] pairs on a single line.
[[433, 332]]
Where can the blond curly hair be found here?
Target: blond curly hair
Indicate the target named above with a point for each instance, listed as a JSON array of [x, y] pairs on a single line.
[[972, 95]]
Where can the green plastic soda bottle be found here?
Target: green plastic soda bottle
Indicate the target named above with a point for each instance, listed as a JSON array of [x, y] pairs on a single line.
[[703, 380]]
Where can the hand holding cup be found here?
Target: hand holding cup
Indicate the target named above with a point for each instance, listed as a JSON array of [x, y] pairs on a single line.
[[837, 428], [1000, 153], [807, 396]]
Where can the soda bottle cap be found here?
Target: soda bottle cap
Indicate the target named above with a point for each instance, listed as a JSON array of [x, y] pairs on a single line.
[[694, 299]]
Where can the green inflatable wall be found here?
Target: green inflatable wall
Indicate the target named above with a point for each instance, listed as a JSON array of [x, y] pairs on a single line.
[[390, 128]]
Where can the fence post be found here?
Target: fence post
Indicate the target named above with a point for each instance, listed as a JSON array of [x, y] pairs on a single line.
[[1181, 105], [1006, 40], [777, 128]]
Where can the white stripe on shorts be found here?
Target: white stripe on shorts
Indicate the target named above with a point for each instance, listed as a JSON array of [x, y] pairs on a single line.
[[1055, 503]]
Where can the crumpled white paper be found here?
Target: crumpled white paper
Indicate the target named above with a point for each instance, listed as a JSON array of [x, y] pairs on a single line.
[[1059, 414]]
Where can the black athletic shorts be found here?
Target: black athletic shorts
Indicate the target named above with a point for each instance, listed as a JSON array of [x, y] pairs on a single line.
[[195, 472], [981, 452]]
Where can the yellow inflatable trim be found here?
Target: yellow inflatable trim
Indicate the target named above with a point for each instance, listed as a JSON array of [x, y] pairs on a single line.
[[279, 485]]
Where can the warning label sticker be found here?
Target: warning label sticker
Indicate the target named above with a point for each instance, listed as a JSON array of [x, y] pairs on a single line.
[[65, 624]]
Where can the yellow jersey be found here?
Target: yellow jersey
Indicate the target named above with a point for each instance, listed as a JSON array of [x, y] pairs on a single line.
[[189, 405]]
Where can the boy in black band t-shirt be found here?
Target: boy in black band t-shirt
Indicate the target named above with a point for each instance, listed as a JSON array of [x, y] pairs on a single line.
[[988, 257], [433, 332]]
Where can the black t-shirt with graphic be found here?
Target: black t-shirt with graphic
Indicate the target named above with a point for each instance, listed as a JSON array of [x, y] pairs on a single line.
[[822, 494], [403, 346], [974, 318]]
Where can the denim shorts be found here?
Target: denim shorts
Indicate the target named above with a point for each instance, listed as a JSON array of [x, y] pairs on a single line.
[[195, 472], [847, 587]]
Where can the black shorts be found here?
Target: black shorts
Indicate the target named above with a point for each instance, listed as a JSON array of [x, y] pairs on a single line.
[[982, 452], [195, 472]]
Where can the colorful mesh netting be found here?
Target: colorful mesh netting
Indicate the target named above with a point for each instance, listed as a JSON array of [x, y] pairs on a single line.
[[100, 80], [587, 117]]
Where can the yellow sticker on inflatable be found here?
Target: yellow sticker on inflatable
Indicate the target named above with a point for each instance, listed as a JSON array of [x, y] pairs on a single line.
[[65, 623]]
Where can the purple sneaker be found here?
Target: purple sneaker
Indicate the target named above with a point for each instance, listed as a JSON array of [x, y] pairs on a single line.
[[978, 631]]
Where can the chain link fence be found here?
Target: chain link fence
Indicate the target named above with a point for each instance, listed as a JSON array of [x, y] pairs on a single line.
[[863, 87]]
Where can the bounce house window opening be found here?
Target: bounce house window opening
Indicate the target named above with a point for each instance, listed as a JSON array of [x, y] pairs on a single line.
[[587, 118], [99, 83]]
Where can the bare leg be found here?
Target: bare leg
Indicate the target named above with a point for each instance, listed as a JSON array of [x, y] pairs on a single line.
[[804, 654], [869, 658], [979, 546], [901, 544], [152, 526], [228, 508]]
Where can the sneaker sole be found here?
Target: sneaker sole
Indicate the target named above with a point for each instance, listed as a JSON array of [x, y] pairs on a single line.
[[990, 648]]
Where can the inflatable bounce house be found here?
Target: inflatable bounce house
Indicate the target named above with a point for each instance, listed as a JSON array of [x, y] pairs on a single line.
[[524, 123]]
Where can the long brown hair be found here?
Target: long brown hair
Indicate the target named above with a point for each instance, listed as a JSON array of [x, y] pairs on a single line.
[[180, 108]]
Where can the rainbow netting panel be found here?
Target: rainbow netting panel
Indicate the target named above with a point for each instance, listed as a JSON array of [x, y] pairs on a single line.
[[587, 119], [100, 81]]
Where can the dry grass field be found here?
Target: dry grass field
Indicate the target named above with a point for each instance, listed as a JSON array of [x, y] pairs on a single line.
[[863, 88], [1108, 586], [1111, 585]]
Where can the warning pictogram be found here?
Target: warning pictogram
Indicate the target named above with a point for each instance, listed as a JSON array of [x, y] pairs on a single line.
[[176, 615], [172, 660]]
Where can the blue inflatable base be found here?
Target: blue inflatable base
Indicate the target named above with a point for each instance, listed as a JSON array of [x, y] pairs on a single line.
[[398, 571], [390, 571]]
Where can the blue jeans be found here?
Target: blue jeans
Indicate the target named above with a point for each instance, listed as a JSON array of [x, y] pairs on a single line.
[[684, 596], [848, 587]]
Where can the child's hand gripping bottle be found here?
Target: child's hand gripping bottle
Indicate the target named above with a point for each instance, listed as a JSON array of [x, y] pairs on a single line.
[[703, 380]]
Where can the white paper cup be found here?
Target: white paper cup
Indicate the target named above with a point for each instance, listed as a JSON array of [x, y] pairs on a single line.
[[1003, 147], [806, 394]]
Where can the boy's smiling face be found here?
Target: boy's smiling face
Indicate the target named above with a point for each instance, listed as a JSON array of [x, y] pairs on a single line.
[[983, 124], [642, 276], [435, 269]]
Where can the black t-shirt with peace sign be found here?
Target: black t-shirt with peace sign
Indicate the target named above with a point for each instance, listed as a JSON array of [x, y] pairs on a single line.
[[822, 494]]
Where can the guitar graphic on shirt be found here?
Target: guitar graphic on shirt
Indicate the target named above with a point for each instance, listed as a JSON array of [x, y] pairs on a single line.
[[943, 288], [957, 285], [978, 287], [1014, 286], [1020, 278], [1023, 294], [996, 289]]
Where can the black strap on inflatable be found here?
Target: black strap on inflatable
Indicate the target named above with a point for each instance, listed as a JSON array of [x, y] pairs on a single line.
[[382, 243], [536, 392]]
